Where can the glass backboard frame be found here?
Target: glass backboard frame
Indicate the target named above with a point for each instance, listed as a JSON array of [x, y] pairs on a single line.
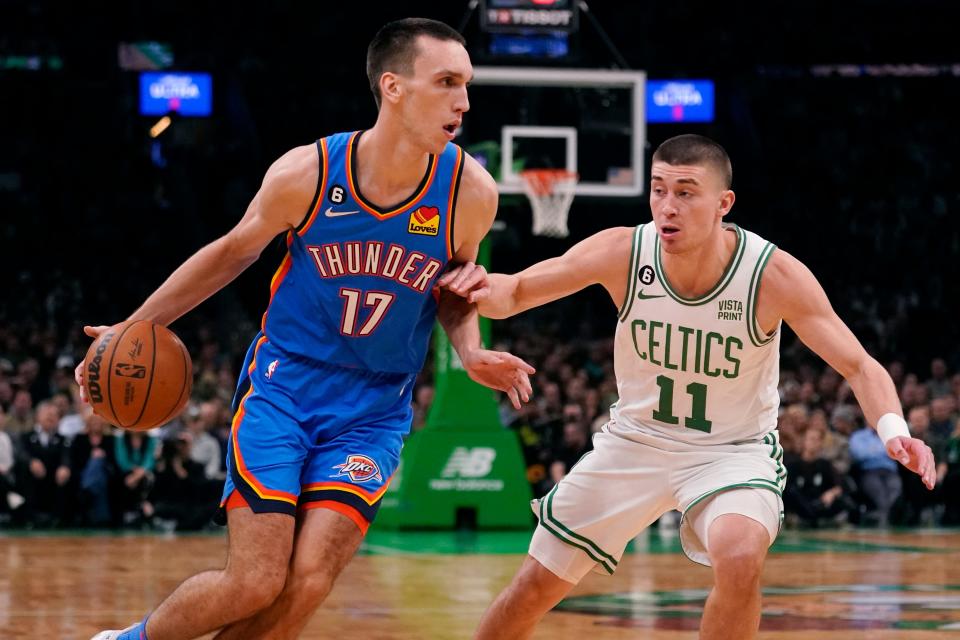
[[510, 182]]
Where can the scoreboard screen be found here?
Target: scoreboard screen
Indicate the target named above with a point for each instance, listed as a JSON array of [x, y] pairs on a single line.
[[528, 16], [188, 94], [680, 101], [529, 45]]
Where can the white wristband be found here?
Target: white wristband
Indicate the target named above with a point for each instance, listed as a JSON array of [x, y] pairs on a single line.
[[890, 425]]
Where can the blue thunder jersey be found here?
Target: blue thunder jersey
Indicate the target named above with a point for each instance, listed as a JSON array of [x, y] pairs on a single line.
[[356, 286]]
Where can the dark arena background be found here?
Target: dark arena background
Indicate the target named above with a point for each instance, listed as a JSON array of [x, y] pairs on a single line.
[[131, 134]]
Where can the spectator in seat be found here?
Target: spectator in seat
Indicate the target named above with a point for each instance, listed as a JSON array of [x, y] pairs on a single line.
[[836, 444], [94, 465], [813, 492], [939, 383], [10, 500], [182, 494], [574, 444], [878, 476], [135, 453], [942, 422], [20, 418], [204, 448], [71, 422], [949, 471], [45, 468]]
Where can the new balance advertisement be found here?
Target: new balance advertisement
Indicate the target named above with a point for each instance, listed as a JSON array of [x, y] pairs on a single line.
[[463, 460]]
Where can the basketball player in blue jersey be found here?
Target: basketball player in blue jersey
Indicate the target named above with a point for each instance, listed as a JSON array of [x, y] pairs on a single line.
[[371, 220], [696, 354]]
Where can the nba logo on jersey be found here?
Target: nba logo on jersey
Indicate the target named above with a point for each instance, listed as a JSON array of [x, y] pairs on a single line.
[[271, 368], [425, 221], [359, 468]]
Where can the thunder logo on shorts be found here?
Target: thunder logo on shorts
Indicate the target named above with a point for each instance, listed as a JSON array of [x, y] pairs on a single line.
[[359, 468]]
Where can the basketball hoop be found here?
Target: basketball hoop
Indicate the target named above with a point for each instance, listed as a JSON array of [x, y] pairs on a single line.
[[550, 192]]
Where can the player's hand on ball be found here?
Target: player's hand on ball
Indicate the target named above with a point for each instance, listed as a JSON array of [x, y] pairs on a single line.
[[93, 332], [915, 455], [468, 280], [501, 371]]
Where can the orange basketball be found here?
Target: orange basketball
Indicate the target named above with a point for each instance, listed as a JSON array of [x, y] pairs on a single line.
[[137, 375]]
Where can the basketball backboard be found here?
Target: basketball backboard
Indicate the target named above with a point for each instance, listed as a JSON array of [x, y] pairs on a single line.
[[590, 121]]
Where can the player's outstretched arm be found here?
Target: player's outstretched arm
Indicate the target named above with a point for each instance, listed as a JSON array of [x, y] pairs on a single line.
[[278, 206], [476, 209], [791, 292], [599, 259]]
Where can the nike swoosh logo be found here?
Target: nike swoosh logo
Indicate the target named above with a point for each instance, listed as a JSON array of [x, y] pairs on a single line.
[[642, 296], [330, 213]]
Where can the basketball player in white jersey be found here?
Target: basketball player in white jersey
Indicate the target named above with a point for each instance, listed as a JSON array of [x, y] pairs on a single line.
[[696, 358]]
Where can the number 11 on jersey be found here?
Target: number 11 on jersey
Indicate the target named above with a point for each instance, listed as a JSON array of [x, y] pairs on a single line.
[[697, 391], [379, 301]]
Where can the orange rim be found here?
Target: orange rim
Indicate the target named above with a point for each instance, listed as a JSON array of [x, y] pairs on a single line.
[[543, 181]]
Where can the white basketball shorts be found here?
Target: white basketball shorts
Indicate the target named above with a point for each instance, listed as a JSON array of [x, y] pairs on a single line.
[[624, 485]]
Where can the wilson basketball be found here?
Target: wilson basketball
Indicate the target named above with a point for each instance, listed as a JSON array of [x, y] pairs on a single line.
[[137, 375]]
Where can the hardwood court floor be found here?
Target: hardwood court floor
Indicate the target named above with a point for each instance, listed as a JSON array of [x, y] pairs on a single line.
[[828, 586]]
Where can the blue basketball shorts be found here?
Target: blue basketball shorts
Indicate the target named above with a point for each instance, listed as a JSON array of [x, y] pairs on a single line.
[[311, 435]]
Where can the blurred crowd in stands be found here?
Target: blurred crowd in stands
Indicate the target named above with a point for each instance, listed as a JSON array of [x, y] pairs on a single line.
[[63, 466]]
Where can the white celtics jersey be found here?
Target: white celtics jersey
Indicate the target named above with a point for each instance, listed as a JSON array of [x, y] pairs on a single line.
[[695, 370]]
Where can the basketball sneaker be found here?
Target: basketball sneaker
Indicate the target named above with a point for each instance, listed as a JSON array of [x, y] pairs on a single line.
[[115, 634]]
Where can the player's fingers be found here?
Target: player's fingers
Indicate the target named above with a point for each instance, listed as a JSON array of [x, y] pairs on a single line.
[[918, 455], [514, 361], [477, 277], [78, 378], [523, 383], [897, 452], [466, 271], [930, 477], [449, 276], [930, 462], [514, 398], [478, 294], [525, 387], [93, 332], [455, 276]]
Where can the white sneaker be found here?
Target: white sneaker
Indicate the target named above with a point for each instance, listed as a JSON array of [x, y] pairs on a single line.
[[112, 634]]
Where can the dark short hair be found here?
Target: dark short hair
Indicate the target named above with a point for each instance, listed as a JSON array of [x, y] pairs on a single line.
[[691, 149], [395, 47]]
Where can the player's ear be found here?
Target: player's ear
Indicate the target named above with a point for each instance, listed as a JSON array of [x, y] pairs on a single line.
[[727, 198], [390, 89]]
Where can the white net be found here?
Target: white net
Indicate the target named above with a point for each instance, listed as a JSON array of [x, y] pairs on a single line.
[[551, 193]]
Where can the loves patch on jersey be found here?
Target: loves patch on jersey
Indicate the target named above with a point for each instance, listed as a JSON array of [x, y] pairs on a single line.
[[360, 468], [425, 221]]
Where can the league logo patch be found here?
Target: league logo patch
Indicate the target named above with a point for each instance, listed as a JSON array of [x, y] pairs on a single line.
[[425, 221], [270, 369], [130, 370], [359, 468]]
